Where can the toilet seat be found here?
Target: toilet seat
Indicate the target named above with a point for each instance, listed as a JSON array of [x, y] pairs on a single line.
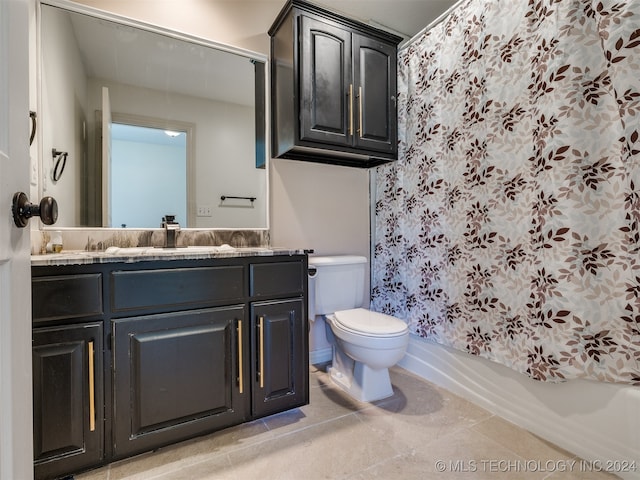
[[360, 321]]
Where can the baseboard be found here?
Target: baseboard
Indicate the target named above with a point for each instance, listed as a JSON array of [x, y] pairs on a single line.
[[598, 422], [320, 356]]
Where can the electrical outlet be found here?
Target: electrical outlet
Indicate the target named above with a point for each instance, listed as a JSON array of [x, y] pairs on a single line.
[[203, 211]]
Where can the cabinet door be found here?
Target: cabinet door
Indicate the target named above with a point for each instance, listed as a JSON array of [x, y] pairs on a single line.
[[374, 65], [280, 356], [177, 375], [68, 399], [326, 111]]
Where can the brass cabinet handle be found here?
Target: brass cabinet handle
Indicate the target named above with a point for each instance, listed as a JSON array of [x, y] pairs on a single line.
[[240, 366], [92, 393], [360, 111], [351, 109], [261, 372]]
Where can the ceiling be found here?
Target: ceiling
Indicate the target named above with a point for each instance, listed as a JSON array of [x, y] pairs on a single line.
[[405, 17]]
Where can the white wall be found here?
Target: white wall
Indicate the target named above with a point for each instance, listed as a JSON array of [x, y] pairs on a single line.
[[64, 96], [320, 207]]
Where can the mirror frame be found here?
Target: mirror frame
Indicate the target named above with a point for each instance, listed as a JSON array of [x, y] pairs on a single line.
[[262, 158]]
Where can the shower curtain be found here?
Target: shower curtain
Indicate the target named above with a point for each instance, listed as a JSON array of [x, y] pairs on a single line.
[[509, 226]]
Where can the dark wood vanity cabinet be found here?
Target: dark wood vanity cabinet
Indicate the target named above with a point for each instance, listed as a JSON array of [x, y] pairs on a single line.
[[333, 84], [279, 336], [68, 399], [68, 373], [129, 357], [176, 375]]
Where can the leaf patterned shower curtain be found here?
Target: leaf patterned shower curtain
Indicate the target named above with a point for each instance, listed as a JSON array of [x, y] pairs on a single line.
[[509, 227]]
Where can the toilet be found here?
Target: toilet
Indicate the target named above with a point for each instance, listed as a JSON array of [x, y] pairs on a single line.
[[365, 344]]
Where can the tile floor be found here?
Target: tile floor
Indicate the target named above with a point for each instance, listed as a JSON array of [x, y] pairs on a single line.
[[422, 432]]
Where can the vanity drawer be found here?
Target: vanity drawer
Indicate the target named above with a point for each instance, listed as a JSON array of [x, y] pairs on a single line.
[[173, 287], [66, 296], [277, 278]]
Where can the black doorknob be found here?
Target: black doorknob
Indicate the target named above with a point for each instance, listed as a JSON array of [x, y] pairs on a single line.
[[22, 210]]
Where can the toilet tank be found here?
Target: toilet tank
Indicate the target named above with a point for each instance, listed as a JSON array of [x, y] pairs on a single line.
[[338, 283]]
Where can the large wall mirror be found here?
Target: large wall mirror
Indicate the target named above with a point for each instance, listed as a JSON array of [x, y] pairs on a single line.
[[137, 122]]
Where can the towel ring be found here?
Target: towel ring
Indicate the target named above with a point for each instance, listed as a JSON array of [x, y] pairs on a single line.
[[60, 160]]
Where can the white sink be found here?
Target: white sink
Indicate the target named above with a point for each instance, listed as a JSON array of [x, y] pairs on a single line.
[[169, 251], [126, 250]]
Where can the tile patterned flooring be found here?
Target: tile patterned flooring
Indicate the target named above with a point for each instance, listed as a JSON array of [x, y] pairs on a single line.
[[421, 432]]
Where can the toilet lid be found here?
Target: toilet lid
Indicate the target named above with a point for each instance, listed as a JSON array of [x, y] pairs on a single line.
[[366, 322]]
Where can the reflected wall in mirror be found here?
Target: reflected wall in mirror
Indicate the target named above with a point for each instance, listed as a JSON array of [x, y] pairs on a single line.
[[99, 73]]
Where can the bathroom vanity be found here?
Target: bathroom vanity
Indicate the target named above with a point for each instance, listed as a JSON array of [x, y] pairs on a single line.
[[137, 349]]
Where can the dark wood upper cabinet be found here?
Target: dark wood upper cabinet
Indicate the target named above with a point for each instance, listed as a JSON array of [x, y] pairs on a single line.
[[325, 60], [333, 87], [374, 67]]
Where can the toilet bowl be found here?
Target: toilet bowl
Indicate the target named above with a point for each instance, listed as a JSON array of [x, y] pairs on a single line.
[[365, 344]]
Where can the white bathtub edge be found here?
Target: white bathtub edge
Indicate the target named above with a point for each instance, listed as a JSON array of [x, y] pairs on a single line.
[[577, 415]]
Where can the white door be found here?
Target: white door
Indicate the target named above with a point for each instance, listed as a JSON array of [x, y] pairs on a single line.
[[16, 424]]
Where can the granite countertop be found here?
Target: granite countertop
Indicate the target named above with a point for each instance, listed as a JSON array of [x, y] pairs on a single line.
[[145, 254]]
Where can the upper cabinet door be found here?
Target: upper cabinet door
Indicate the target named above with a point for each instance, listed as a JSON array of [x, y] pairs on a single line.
[[333, 87], [374, 65], [325, 73]]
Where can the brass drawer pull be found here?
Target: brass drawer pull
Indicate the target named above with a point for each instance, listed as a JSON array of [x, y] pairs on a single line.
[[351, 110], [360, 111], [240, 366], [92, 393], [261, 372]]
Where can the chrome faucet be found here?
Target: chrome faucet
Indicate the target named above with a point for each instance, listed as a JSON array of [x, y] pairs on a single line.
[[171, 229]]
